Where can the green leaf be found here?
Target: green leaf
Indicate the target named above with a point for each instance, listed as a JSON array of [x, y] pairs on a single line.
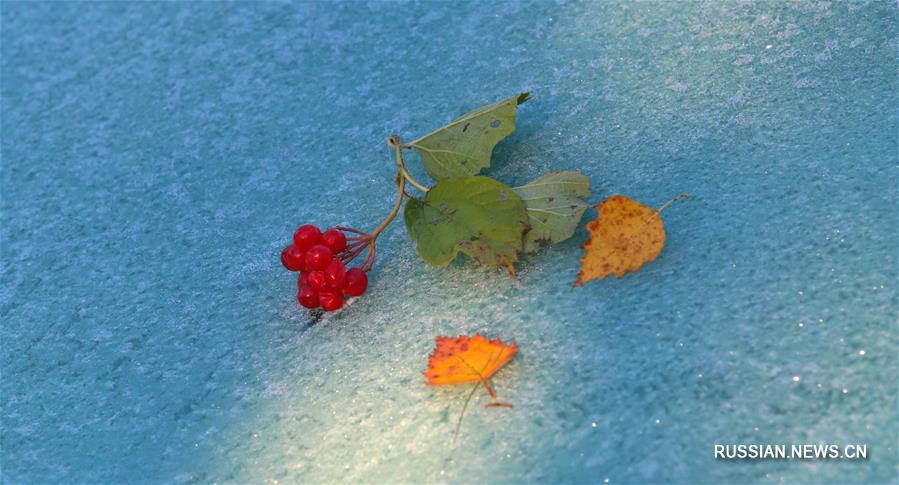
[[555, 203], [478, 216], [464, 147]]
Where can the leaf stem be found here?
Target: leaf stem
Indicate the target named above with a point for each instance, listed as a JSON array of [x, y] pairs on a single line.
[[666, 204], [394, 142], [415, 183], [464, 407]]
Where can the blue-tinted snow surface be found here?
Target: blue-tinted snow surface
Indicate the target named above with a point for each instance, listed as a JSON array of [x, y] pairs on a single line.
[[157, 156]]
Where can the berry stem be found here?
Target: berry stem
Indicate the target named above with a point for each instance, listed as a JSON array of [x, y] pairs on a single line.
[[357, 244], [401, 183], [402, 177]]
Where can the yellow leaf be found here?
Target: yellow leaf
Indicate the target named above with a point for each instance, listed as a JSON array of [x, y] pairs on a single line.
[[625, 235], [467, 359]]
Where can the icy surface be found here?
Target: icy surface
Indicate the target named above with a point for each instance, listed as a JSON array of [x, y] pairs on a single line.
[[157, 156]]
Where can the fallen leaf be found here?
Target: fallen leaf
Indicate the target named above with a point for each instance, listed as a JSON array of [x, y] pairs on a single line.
[[478, 216], [555, 203], [625, 235], [465, 146], [467, 359]]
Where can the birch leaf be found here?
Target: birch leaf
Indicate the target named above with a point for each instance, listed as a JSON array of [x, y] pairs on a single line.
[[624, 236]]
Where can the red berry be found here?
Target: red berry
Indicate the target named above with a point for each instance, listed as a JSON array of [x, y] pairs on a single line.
[[334, 239], [318, 257], [307, 236], [335, 274], [293, 258], [316, 280], [356, 282], [308, 297], [331, 300], [301, 281]]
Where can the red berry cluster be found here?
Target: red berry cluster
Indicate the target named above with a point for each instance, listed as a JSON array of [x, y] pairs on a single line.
[[324, 279]]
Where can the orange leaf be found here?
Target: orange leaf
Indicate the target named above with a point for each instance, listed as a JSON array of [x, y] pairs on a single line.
[[625, 235], [467, 359]]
